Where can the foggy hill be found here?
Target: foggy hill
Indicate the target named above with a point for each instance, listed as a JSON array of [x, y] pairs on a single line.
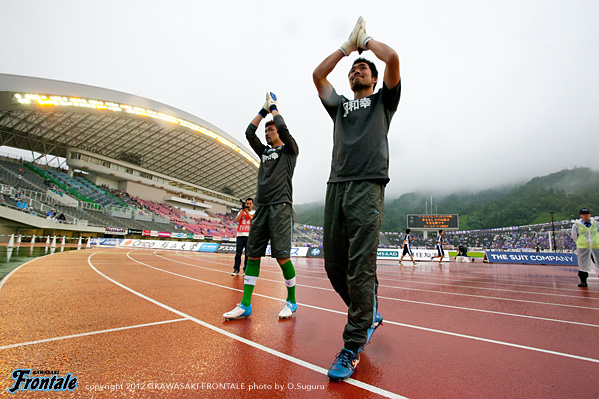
[[564, 193]]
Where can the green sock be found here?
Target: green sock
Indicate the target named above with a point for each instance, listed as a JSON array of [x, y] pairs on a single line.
[[252, 271], [289, 276]]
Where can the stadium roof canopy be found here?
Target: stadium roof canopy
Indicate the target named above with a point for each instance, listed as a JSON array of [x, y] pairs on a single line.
[[49, 116]]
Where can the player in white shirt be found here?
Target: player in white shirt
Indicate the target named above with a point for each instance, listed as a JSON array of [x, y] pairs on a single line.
[[407, 247], [440, 250]]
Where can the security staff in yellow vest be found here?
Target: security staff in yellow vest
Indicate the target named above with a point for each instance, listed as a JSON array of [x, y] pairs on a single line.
[[586, 236]]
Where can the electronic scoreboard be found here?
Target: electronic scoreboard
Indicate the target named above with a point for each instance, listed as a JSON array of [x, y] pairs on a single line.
[[433, 222]]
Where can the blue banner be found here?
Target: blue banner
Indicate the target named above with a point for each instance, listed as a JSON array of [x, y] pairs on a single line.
[[382, 253], [315, 252], [532, 258], [208, 247], [105, 241]]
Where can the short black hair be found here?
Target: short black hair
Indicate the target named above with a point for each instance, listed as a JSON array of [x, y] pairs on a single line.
[[250, 199], [373, 70], [440, 231], [270, 122], [408, 231]]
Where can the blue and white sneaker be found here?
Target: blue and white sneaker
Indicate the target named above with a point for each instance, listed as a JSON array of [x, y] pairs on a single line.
[[378, 320], [288, 310], [240, 312], [344, 365]]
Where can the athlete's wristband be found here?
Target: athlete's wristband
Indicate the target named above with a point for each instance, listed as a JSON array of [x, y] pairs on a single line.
[[263, 113], [273, 107]]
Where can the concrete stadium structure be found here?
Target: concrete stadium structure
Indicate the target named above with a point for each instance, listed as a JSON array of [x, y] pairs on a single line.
[[126, 142]]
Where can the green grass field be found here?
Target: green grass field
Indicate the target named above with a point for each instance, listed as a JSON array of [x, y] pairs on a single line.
[[470, 254]]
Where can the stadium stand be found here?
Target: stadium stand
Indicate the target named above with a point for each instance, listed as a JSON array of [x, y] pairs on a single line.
[[516, 237], [78, 186], [19, 176], [390, 239], [101, 206], [27, 187], [215, 225], [395, 240], [307, 236]]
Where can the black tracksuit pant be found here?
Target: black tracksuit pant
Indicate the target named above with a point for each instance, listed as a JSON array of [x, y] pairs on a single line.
[[352, 223], [240, 246]]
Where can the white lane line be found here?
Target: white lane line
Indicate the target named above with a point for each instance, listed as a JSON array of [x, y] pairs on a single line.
[[41, 341], [588, 359], [492, 312], [5, 278], [561, 285], [256, 345], [392, 277], [405, 300], [394, 287], [208, 255], [484, 277], [436, 280], [390, 322], [491, 289]]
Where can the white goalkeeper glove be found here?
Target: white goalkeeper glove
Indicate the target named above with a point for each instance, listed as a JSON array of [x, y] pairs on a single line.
[[271, 101], [363, 38], [264, 111], [351, 43]]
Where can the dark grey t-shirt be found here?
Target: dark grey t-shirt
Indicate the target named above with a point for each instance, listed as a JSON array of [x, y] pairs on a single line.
[[360, 146], [276, 165]]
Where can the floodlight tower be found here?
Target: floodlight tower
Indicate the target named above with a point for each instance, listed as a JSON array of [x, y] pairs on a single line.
[[553, 232]]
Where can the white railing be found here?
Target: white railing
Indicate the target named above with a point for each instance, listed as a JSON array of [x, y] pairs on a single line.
[[117, 208], [91, 207], [38, 202], [8, 190]]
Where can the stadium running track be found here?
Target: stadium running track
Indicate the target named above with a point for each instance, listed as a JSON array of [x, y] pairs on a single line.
[[148, 323]]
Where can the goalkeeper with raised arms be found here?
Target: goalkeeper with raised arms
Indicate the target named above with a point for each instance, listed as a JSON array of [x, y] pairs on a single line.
[[355, 190], [273, 220]]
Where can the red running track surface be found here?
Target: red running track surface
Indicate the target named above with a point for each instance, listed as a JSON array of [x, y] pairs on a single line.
[[145, 323]]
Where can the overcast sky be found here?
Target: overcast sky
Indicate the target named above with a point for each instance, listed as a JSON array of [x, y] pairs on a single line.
[[492, 91]]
